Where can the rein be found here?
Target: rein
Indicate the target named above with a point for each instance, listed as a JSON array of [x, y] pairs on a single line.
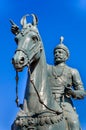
[[17, 98], [31, 80]]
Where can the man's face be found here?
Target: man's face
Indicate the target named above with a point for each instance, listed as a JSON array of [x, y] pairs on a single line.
[[60, 56]]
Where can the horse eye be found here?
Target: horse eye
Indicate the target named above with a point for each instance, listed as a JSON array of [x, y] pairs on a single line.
[[35, 38]]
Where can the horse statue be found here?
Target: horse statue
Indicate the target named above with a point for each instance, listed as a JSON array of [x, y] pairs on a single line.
[[40, 111]]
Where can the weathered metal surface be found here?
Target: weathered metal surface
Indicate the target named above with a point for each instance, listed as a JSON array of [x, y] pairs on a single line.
[[47, 102]]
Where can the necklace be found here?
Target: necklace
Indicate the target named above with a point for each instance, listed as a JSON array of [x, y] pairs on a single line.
[[58, 71]]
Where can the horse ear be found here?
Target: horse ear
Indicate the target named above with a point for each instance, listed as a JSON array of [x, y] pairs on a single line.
[[35, 20], [24, 21]]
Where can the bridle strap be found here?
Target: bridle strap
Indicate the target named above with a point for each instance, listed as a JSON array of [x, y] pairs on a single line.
[[26, 53], [23, 50], [17, 99]]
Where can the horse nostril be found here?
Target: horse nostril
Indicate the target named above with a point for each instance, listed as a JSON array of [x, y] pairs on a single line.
[[21, 60]]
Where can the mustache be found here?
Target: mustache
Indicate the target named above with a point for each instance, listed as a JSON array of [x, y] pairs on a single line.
[[58, 57]]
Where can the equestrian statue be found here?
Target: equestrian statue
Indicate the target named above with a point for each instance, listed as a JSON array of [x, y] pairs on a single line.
[[47, 103]]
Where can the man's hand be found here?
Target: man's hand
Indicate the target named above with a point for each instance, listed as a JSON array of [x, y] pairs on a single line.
[[15, 29], [78, 94], [68, 92]]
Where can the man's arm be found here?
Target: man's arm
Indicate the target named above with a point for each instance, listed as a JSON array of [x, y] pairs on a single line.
[[14, 29], [78, 92]]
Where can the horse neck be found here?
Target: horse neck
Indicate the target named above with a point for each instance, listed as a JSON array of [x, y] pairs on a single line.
[[39, 73], [39, 77]]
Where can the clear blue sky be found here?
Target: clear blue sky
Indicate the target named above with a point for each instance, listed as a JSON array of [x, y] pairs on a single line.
[[56, 18]]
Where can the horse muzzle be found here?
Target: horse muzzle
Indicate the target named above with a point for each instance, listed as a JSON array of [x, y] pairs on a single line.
[[19, 64]]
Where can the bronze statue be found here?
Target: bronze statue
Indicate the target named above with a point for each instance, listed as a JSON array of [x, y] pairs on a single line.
[[66, 78], [47, 102]]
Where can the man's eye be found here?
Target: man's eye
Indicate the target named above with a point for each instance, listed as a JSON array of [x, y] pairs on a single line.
[[59, 52]]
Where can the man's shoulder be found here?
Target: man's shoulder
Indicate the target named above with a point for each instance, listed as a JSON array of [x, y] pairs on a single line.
[[49, 67], [72, 70]]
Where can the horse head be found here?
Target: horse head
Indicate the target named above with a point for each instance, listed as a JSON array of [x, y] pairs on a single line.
[[28, 44]]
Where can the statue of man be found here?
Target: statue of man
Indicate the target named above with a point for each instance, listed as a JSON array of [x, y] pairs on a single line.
[[67, 85]]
